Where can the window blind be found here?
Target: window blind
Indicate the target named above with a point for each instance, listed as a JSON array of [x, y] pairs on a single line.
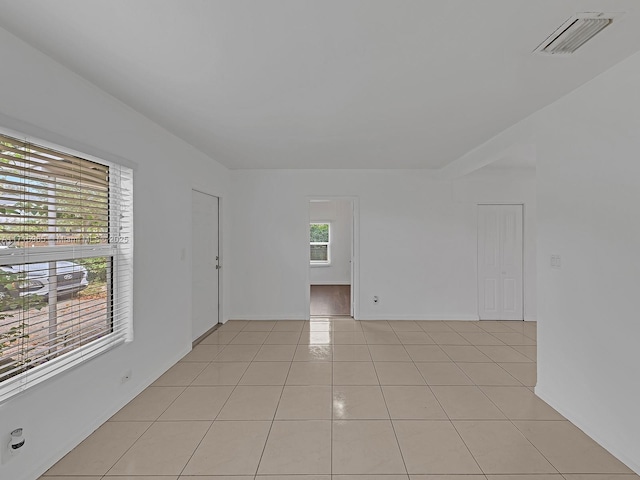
[[66, 266]]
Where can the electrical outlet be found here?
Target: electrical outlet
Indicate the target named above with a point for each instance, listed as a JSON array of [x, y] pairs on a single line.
[[375, 299], [14, 446], [126, 376], [555, 261]]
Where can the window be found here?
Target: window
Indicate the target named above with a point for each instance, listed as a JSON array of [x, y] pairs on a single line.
[[319, 243], [66, 251]]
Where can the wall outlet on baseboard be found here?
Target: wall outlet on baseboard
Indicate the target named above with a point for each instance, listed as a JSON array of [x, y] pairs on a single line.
[[555, 261], [14, 446]]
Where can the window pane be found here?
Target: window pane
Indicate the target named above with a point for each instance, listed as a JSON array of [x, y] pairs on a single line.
[[48, 198], [319, 253], [65, 261], [35, 326], [319, 232]]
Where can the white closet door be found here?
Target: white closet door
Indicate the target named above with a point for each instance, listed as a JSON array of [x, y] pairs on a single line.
[[500, 262]]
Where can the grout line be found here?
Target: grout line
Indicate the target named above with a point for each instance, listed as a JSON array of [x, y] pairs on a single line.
[[212, 422], [266, 441], [331, 413], [467, 447], [508, 373], [456, 430], [223, 405], [440, 403], [184, 389], [332, 418], [536, 448], [127, 450], [393, 428]]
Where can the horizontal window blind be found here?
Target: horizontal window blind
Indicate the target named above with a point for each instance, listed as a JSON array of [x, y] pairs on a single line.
[[66, 266]]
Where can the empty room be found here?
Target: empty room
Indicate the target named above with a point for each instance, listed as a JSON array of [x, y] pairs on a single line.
[[305, 239]]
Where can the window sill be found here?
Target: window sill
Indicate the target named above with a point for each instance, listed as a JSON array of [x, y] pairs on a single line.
[[323, 264], [18, 384]]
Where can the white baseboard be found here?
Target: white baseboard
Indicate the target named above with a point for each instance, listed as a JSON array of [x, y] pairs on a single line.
[[583, 425], [448, 317], [267, 317], [70, 443]]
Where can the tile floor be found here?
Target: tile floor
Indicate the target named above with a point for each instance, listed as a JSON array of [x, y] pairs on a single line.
[[337, 397]]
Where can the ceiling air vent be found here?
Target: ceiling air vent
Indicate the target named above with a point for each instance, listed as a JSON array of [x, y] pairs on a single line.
[[574, 33]]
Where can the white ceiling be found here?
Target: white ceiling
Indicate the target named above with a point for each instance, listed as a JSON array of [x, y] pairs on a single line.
[[325, 83]]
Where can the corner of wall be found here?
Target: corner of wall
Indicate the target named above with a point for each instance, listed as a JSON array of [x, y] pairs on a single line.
[[584, 425]]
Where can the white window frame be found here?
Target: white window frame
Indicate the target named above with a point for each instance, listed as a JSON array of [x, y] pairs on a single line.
[[121, 253], [321, 263]]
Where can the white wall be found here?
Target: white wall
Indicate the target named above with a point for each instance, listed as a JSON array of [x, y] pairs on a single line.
[[44, 99], [588, 195], [417, 240], [589, 213], [339, 214]]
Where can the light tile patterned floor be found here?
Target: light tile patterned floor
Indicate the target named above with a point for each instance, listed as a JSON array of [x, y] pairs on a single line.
[[338, 397]]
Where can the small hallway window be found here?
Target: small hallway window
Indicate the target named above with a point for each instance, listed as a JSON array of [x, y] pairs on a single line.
[[319, 236]]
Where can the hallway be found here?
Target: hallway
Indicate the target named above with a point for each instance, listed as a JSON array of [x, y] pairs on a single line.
[[330, 300]]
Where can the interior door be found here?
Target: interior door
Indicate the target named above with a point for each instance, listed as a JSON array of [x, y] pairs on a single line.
[[500, 272], [205, 263]]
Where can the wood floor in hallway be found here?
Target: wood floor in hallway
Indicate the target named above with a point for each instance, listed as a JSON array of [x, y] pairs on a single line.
[[330, 300]]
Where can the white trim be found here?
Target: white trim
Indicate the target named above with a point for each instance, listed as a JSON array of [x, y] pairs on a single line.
[[426, 317], [46, 138], [17, 256], [11, 388], [214, 192], [269, 317], [583, 425], [221, 259], [390, 317], [206, 189], [121, 254], [355, 255], [355, 251]]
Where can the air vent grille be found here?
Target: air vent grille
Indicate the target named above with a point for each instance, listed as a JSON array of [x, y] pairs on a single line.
[[574, 33]]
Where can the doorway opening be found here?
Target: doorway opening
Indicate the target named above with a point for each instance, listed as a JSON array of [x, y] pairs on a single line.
[[331, 257]]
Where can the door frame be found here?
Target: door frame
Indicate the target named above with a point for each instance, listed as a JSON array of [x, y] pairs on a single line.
[[355, 251], [189, 258], [524, 250]]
